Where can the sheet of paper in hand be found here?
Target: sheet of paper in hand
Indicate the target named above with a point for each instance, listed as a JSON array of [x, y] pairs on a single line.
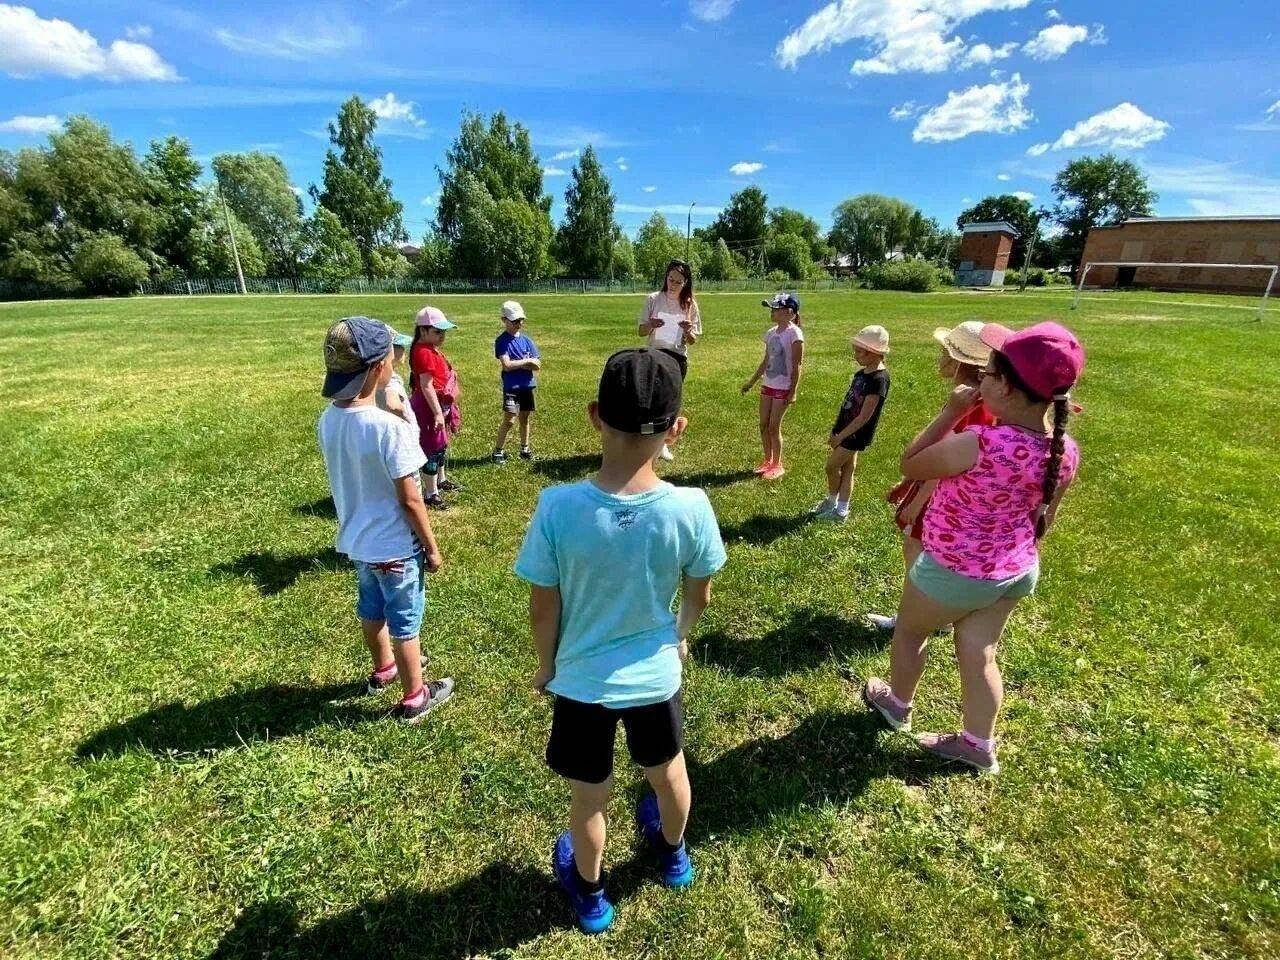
[[670, 331]]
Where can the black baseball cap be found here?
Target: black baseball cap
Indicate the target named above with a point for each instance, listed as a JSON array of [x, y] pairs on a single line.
[[351, 347], [640, 391], [782, 300]]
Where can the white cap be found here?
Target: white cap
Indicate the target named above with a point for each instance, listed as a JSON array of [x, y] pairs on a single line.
[[512, 311]]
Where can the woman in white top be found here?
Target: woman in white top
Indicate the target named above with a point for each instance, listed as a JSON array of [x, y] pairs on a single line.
[[670, 318]]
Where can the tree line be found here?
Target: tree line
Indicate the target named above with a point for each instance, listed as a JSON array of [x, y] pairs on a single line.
[[86, 210]]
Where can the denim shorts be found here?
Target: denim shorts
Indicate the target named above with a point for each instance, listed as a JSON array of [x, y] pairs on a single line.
[[968, 593], [394, 592]]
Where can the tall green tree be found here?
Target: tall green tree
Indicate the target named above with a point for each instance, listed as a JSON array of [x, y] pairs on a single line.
[[182, 208], [657, 244], [355, 189], [1097, 191], [491, 200], [1015, 211], [586, 238], [329, 252], [743, 222], [868, 226], [721, 264], [789, 253], [785, 220], [257, 189]]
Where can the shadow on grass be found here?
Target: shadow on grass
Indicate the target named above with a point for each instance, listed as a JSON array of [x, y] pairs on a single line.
[[762, 529], [810, 638], [564, 469], [271, 572], [830, 758], [710, 478], [323, 508], [490, 914], [262, 713]]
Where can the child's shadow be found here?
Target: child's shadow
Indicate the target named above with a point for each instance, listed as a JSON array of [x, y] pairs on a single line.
[[322, 508], [489, 914], [180, 730], [761, 529], [810, 638], [564, 469], [271, 572]]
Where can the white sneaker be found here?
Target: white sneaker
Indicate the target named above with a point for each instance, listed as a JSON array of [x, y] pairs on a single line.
[[823, 507], [834, 515], [881, 622], [666, 453]]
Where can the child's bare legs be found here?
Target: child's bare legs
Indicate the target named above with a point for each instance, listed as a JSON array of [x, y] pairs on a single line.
[[508, 418], [670, 782], [766, 438], [777, 410], [981, 686], [407, 654], [911, 550], [846, 477], [526, 429], [841, 464], [918, 617], [587, 825]]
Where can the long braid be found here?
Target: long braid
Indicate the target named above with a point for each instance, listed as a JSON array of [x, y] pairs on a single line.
[[1061, 410]]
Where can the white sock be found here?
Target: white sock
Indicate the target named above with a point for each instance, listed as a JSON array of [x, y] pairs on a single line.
[[842, 505]]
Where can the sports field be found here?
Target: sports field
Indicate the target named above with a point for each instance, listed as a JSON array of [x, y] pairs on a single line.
[[185, 772]]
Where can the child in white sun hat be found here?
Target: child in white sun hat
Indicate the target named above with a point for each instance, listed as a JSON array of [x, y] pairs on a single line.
[[856, 423]]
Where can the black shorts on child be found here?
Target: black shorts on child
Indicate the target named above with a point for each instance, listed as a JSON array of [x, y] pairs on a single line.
[[582, 735], [518, 399]]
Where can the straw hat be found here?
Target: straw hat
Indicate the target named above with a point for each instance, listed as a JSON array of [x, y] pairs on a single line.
[[874, 338], [964, 343]]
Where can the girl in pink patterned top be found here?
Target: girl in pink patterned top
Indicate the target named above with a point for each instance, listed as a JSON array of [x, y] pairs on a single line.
[[998, 491]]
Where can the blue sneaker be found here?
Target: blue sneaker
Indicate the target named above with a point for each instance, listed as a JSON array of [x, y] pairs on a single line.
[[676, 867], [593, 910]]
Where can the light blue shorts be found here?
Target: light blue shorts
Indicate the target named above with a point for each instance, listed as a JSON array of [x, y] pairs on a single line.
[[394, 592], [967, 593]]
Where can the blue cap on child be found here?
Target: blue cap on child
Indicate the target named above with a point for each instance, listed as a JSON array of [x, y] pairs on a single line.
[[351, 347]]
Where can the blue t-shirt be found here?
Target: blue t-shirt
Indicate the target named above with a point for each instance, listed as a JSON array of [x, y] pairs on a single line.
[[618, 561], [518, 347]]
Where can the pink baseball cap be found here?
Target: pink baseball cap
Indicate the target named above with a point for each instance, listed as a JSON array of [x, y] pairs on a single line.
[[1047, 357], [433, 317]]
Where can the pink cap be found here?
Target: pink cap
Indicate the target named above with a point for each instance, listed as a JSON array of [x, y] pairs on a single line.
[[433, 317], [1047, 357]]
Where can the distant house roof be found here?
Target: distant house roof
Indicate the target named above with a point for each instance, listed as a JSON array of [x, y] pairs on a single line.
[[1272, 216], [993, 226]]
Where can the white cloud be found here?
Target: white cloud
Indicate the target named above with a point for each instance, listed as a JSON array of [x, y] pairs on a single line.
[[31, 126], [905, 111], [621, 164], [554, 172], [745, 168], [34, 46], [1216, 189], [1053, 14], [992, 108], [1005, 177], [139, 32], [780, 146], [321, 34], [1270, 121], [1038, 149], [1121, 127], [1274, 109], [711, 10], [981, 53], [1052, 42], [903, 35], [430, 200], [399, 117], [578, 137], [565, 155], [1024, 195], [648, 189]]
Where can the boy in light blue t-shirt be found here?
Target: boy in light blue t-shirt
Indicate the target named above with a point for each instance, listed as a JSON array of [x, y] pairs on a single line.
[[605, 558]]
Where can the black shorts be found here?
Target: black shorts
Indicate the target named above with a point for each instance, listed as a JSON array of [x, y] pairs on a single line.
[[516, 401], [582, 735]]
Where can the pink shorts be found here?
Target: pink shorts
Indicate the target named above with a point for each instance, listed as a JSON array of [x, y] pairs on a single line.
[[774, 393]]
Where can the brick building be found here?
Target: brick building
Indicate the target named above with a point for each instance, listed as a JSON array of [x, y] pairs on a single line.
[[1186, 240], [984, 253]]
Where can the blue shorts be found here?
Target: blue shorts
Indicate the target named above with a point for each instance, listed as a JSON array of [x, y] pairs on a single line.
[[394, 592], [956, 590]]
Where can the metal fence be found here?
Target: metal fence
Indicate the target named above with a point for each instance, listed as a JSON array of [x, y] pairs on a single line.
[[283, 286]]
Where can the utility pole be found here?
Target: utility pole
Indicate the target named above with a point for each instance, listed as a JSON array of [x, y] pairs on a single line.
[[1026, 261], [235, 251], [688, 230]]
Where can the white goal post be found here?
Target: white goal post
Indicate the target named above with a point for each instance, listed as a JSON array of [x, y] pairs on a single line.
[[1273, 269]]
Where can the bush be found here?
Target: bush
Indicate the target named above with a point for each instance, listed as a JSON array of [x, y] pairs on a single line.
[[1036, 277], [105, 265], [946, 276], [914, 276], [778, 277]]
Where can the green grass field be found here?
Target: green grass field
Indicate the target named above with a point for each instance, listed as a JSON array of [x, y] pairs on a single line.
[[184, 774]]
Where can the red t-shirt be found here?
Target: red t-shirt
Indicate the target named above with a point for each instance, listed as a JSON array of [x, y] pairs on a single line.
[[425, 359]]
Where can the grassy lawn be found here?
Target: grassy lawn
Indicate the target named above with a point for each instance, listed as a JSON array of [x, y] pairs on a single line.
[[185, 774]]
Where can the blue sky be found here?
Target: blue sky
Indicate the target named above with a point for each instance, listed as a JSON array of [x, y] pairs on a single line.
[[939, 102]]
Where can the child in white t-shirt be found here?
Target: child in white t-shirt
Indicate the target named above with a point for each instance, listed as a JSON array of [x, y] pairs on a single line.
[[780, 371]]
